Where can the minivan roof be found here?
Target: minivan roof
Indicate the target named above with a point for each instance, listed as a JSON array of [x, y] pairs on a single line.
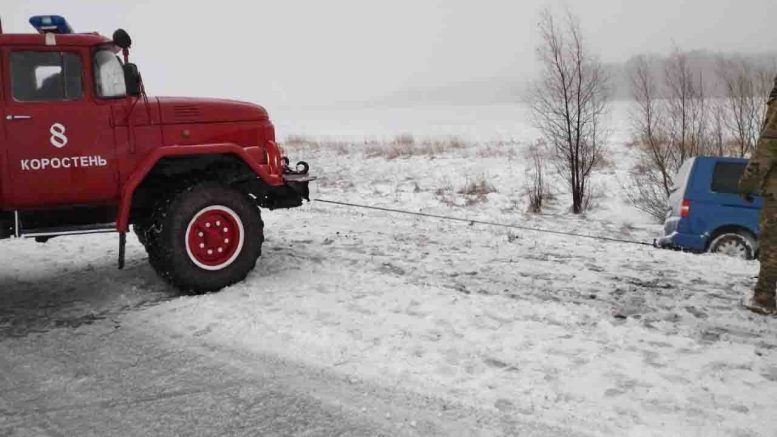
[[722, 159]]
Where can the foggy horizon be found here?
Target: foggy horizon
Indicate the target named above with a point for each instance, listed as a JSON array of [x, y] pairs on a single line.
[[309, 53]]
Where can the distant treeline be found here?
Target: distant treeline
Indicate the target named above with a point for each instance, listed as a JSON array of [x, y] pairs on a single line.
[[502, 89], [705, 63]]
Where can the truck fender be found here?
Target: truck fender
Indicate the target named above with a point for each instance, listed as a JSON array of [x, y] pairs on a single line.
[[271, 173]]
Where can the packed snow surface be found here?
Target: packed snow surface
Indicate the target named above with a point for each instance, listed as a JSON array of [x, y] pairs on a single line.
[[596, 337]]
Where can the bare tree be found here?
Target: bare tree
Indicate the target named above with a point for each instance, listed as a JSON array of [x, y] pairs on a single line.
[[746, 87], [686, 108], [649, 123], [537, 187], [651, 178], [717, 132], [569, 103], [670, 124], [673, 119], [646, 191]]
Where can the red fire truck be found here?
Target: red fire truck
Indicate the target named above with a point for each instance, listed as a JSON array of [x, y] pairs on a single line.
[[84, 150]]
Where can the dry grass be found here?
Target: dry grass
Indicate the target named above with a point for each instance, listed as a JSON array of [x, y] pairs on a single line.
[[476, 191], [478, 187], [537, 189], [445, 195], [302, 144], [405, 145], [499, 149]]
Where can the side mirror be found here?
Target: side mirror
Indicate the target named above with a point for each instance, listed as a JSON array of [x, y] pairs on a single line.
[[132, 79], [122, 39]]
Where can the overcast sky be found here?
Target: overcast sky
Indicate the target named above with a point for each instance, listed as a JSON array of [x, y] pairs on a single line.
[[297, 52]]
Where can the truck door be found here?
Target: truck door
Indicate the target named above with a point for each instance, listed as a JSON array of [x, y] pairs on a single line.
[[60, 146]]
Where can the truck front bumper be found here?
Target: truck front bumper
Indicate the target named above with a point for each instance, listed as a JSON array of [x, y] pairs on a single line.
[[289, 195]]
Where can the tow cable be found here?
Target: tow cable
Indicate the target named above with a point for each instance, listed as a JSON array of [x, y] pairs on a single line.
[[486, 223]]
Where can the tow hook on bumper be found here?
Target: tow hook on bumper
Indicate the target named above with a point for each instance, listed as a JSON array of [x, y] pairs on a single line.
[[301, 168], [665, 242], [298, 178]]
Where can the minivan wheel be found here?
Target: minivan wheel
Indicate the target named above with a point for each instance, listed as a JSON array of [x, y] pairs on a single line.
[[734, 245]]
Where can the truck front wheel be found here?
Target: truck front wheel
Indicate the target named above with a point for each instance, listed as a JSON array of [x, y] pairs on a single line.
[[206, 237]]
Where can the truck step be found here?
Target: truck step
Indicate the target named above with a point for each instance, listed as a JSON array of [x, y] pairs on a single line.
[[68, 230]]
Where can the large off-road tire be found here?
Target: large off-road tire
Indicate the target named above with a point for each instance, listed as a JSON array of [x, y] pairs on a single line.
[[205, 237], [141, 231]]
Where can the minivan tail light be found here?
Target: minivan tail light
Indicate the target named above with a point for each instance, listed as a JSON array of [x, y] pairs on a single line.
[[685, 208]]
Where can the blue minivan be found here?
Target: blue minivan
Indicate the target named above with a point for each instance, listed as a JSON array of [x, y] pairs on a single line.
[[707, 214]]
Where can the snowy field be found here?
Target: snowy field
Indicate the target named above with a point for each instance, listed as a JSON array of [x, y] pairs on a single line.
[[588, 337]]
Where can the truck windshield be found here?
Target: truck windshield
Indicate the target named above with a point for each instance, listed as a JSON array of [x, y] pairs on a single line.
[[109, 75]]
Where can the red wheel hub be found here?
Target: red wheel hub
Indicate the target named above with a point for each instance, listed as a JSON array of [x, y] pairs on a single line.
[[214, 237]]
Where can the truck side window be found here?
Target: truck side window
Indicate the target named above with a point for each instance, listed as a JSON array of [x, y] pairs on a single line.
[[45, 76], [109, 75], [726, 177]]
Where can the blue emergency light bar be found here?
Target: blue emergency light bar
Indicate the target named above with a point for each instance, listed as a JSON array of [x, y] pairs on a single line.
[[50, 24]]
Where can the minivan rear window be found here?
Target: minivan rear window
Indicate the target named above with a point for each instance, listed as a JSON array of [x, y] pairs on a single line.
[[725, 178]]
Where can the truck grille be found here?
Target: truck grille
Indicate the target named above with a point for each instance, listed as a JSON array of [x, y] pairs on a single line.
[[186, 112]]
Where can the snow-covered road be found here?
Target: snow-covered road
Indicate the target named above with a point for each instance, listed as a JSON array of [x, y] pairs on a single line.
[[79, 357], [110, 380], [610, 339], [505, 329]]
